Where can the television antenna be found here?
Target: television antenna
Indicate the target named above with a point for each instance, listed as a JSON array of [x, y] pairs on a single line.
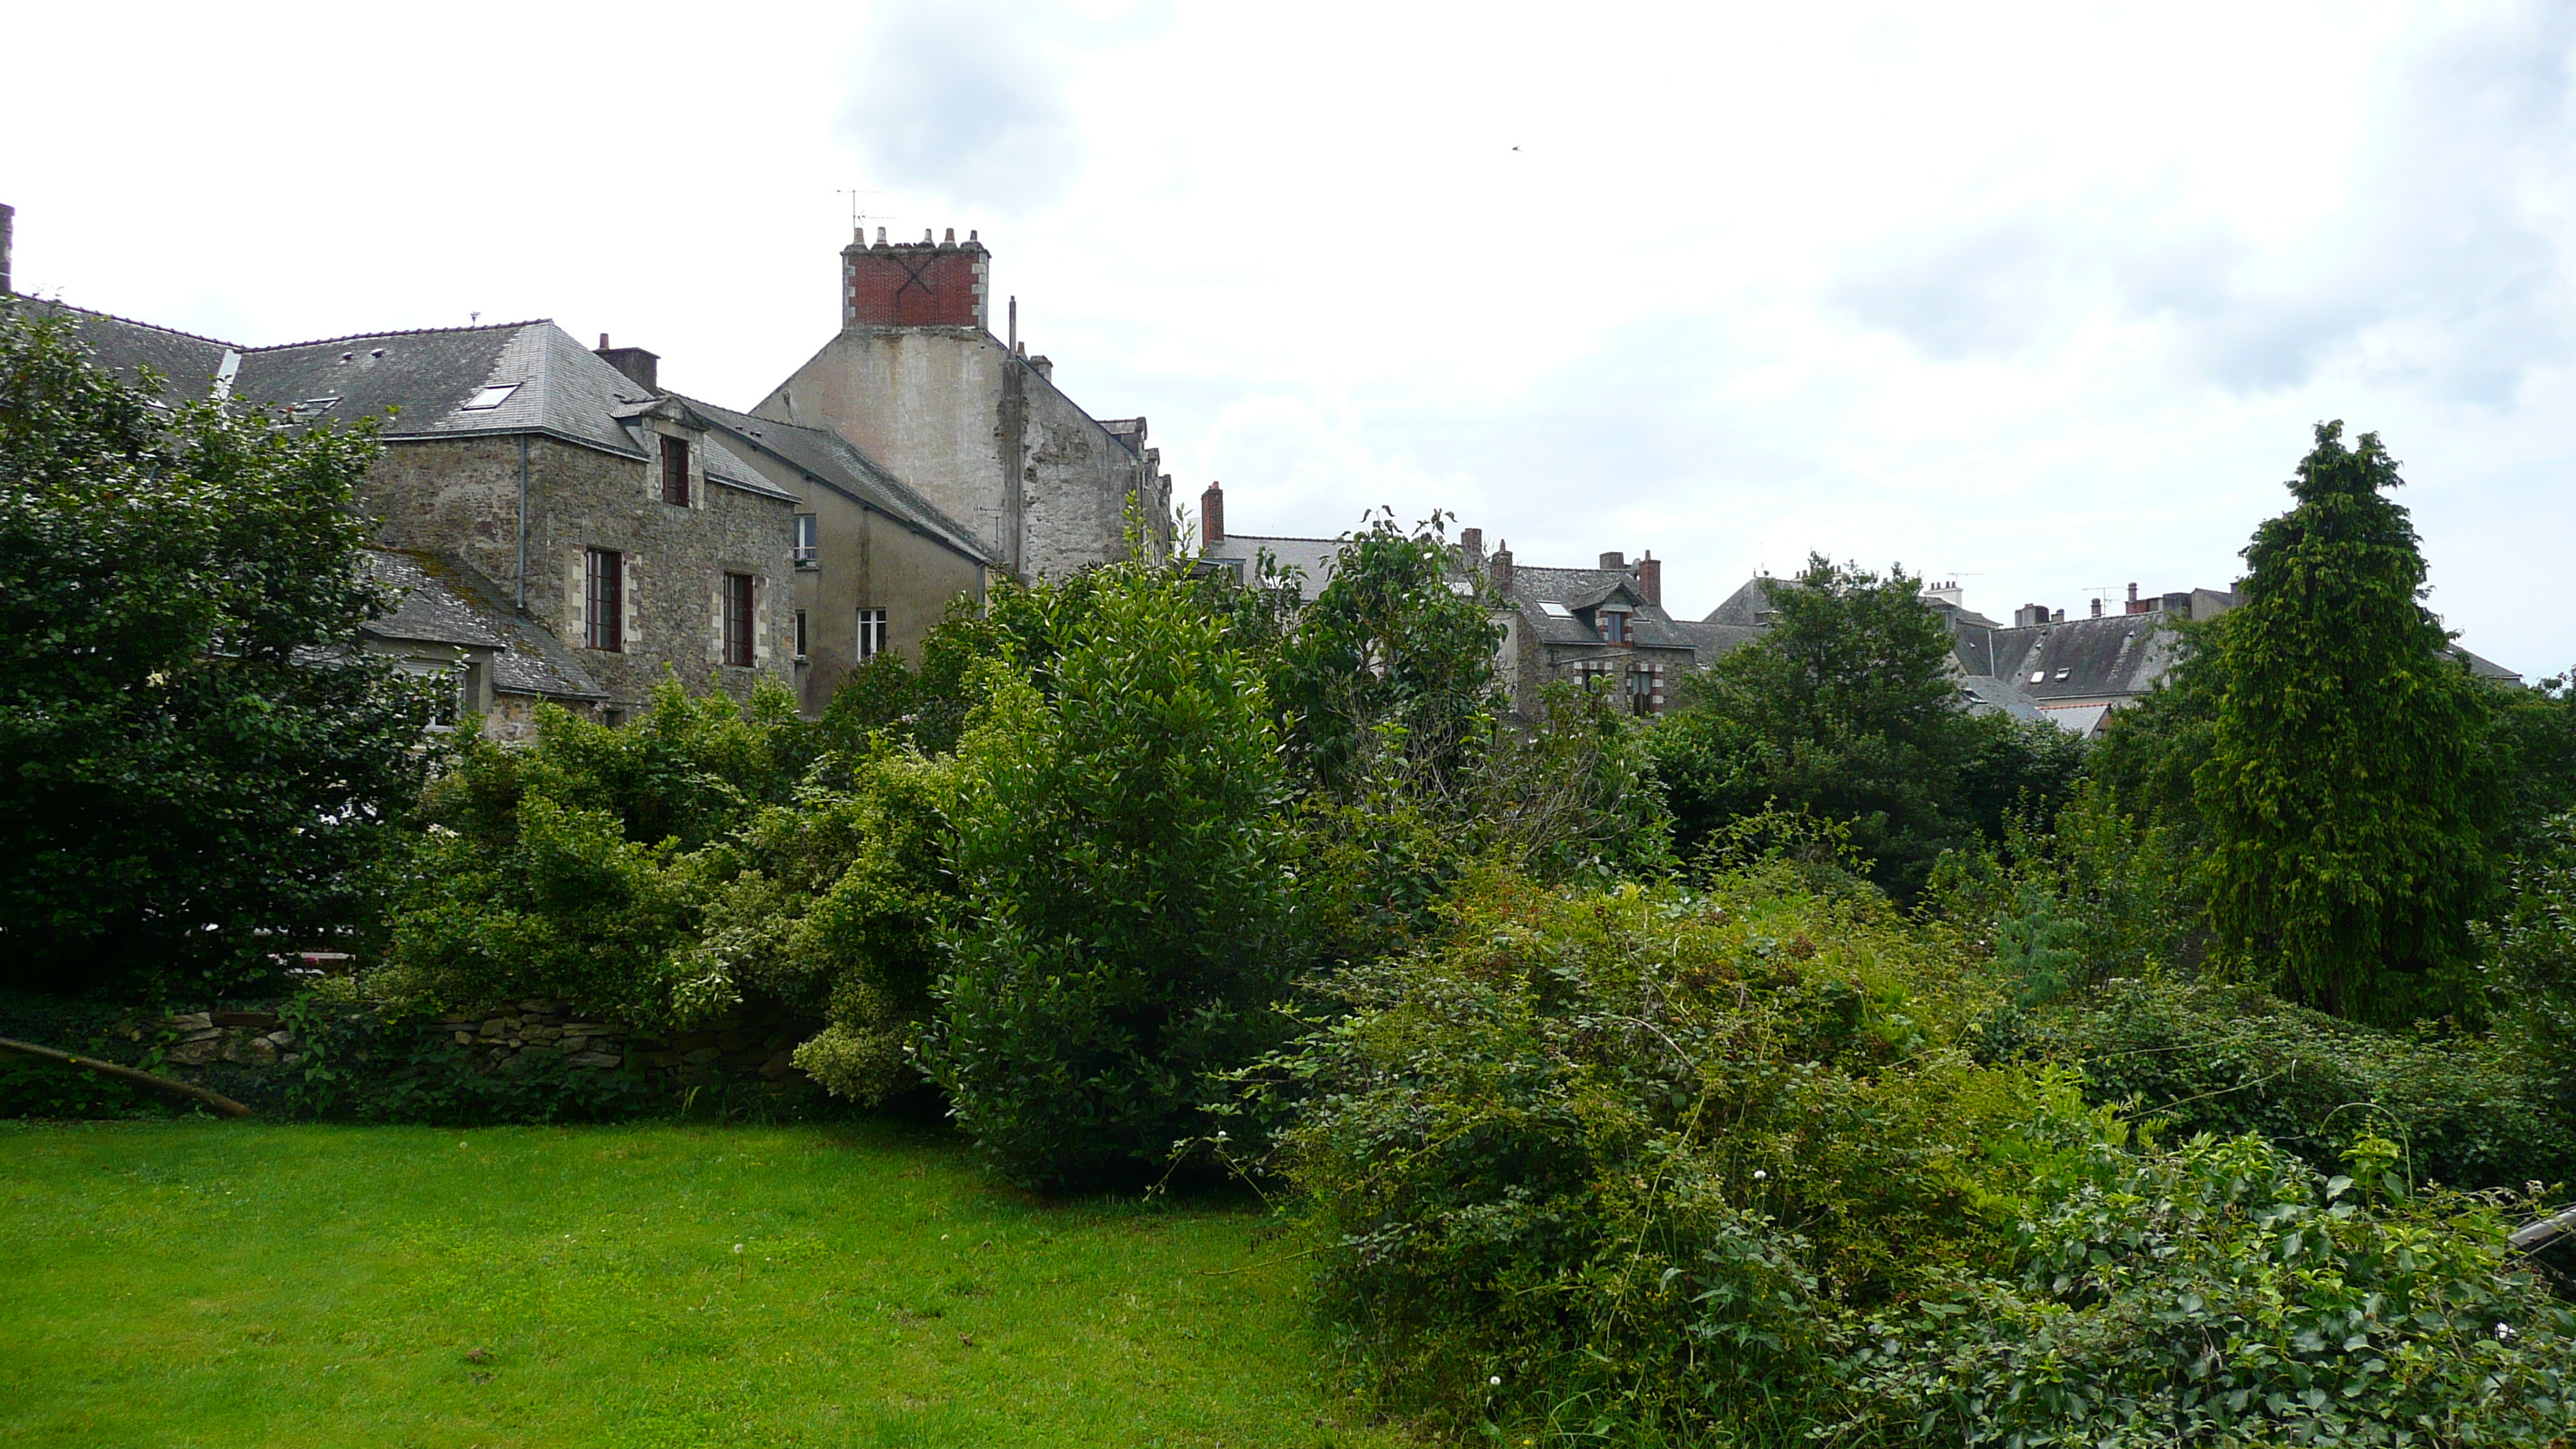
[[856, 215]]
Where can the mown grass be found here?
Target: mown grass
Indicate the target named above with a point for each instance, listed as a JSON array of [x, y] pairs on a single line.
[[197, 1283]]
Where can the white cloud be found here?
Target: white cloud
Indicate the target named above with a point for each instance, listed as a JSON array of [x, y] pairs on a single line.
[[2044, 295]]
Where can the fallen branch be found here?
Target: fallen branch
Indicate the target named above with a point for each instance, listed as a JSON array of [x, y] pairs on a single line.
[[216, 1100]]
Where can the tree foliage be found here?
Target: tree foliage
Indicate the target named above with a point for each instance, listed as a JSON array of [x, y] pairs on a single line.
[[2346, 792], [1117, 835], [1846, 708], [197, 763]]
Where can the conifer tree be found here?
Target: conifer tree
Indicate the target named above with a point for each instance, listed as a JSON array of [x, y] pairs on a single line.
[[2345, 792]]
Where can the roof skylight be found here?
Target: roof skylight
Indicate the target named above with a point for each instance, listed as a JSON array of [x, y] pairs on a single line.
[[490, 397], [1555, 610]]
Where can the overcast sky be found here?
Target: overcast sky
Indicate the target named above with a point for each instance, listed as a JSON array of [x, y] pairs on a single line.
[[2043, 298]]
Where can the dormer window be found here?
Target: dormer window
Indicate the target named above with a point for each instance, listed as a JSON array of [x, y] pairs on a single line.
[[675, 471], [1614, 626]]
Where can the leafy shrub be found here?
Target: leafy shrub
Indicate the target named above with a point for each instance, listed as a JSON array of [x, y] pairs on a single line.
[[2471, 1110], [1117, 838], [2228, 1294], [1630, 1150]]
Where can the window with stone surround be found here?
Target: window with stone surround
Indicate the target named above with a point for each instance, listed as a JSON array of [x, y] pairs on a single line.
[[603, 599], [737, 621], [675, 471]]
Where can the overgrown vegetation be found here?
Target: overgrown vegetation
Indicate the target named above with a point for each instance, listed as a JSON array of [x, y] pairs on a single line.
[[1822, 1061]]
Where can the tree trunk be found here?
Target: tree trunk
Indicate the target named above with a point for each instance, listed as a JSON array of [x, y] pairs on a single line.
[[216, 1100]]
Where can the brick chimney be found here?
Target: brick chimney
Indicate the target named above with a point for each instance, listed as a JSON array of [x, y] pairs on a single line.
[[914, 284], [2138, 605], [2097, 606], [641, 367], [1212, 515], [1498, 570], [1650, 578], [8, 223]]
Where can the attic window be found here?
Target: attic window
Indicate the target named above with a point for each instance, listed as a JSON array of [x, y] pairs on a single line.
[[2063, 673], [2039, 676], [317, 405], [1555, 610], [490, 397]]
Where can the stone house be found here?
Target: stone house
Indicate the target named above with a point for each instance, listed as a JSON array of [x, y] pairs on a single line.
[[917, 382], [585, 537]]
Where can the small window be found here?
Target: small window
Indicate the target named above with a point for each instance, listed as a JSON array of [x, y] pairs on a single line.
[[805, 538], [675, 471], [603, 599], [2064, 673], [800, 633], [2038, 676], [1614, 626], [1555, 610], [490, 397], [737, 621], [872, 633]]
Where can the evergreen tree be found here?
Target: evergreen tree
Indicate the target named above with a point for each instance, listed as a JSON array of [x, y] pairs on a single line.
[[2345, 793]]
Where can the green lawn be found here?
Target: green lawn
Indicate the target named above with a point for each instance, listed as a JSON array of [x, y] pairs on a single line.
[[200, 1283]]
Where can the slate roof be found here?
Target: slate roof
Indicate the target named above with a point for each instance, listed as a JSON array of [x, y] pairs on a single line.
[[2115, 655], [1315, 557], [1743, 608], [188, 364], [446, 602], [1711, 641], [1986, 694], [828, 459], [1649, 627]]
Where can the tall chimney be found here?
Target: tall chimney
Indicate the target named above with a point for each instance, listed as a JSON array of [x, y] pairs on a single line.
[[931, 284], [8, 223], [642, 368], [2097, 606], [1650, 578], [1498, 571], [1471, 546], [1212, 515]]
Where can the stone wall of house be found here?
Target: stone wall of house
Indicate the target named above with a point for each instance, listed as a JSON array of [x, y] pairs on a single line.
[[460, 496]]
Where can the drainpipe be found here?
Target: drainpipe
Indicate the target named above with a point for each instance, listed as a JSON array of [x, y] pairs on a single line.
[[523, 523]]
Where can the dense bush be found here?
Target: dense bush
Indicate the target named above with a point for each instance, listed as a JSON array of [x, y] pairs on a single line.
[[1722, 1166], [1631, 1150], [1117, 832], [2471, 1111], [201, 763]]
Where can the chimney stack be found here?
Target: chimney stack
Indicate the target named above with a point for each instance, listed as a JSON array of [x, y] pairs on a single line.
[[1212, 515], [2097, 606], [1615, 559], [642, 368], [1471, 546], [1498, 570], [1650, 578], [932, 284], [8, 224]]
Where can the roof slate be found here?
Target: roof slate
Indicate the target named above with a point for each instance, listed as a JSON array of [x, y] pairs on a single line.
[[447, 602], [188, 364], [1313, 557]]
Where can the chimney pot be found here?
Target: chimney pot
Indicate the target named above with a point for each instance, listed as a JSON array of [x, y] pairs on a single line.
[[949, 240], [1498, 571], [1212, 514], [881, 236], [603, 342], [2133, 593], [2097, 607]]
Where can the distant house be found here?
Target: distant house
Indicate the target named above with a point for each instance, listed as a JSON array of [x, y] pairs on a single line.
[[1602, 627], [2043, 666]]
